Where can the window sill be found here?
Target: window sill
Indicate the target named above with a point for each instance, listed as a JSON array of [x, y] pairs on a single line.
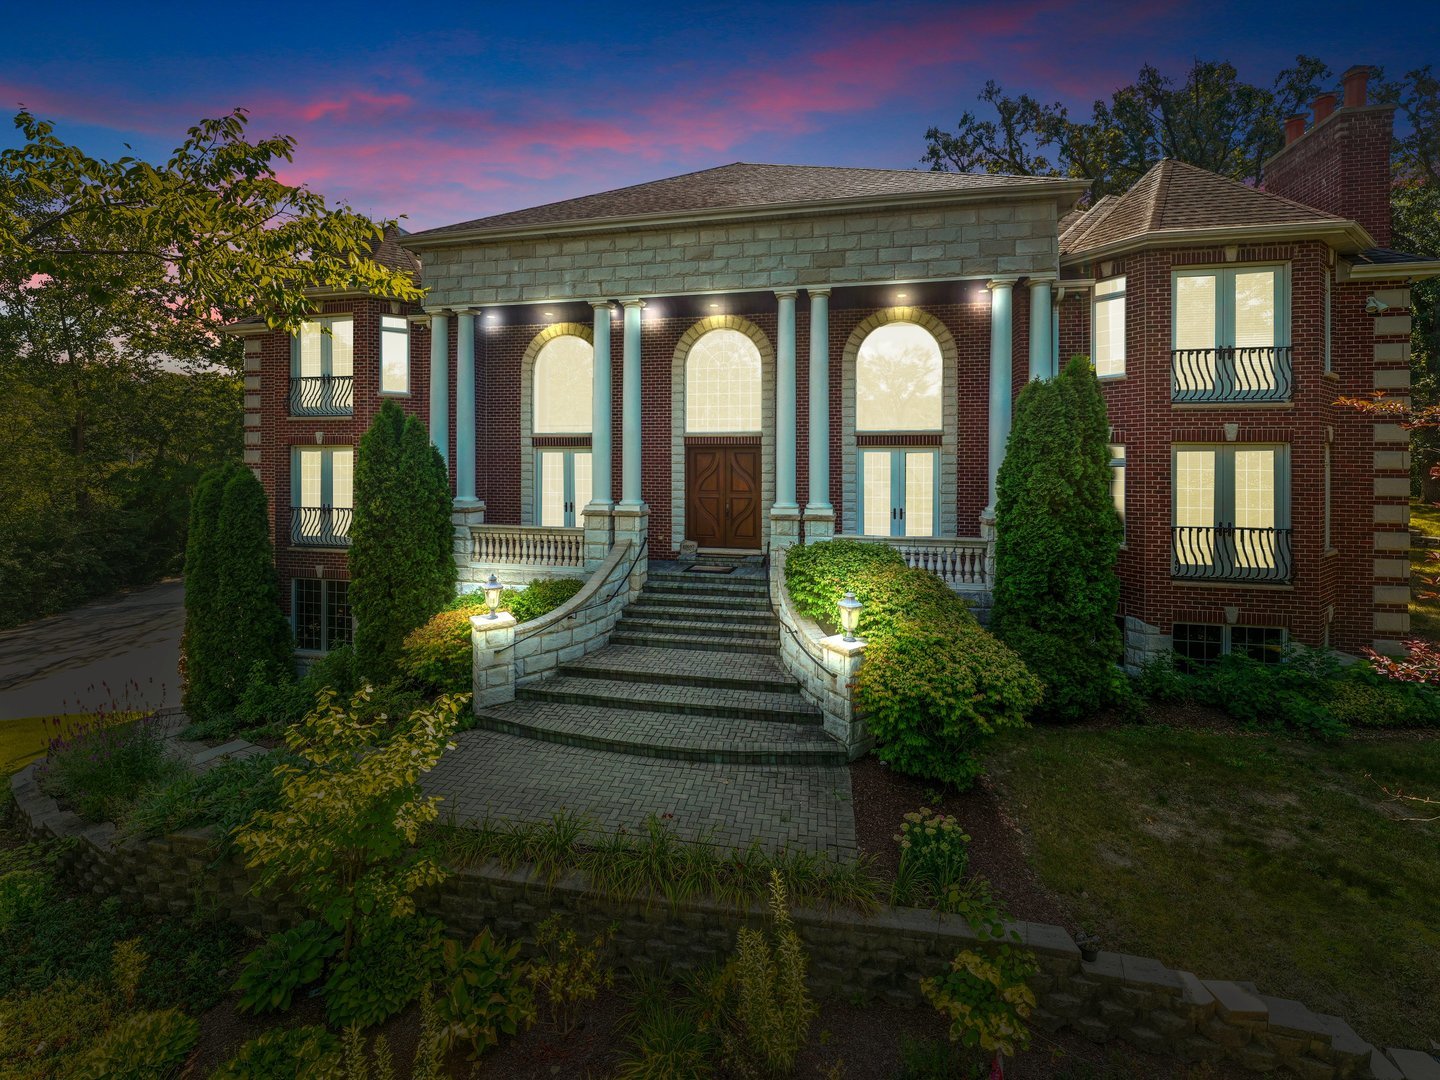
[[1117, 377], [321, 417], [1330, 552], [1333, 376], [1210, 406], [294, 548], [1266, 586], [395, 394]]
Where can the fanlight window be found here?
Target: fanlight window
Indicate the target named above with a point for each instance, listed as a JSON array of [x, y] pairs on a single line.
[[722, 384], [898, 375], [564, 373]]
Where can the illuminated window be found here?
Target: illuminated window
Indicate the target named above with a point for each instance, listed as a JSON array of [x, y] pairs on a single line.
[[1109, 320], [322, 366], [1117, 483], [722, 384], [899, 372], [899, 492], [1230, 334], [1231, 511], [564, 375], [394, 354], [562, 479]]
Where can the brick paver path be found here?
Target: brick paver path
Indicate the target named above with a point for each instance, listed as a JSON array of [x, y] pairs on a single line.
[[503, 776], [671, 720]]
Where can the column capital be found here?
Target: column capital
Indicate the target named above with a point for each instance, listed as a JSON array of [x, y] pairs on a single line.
[[607, 304], [437, 310], [632, 302], [786, 294], [813, 293], [1001, 283]]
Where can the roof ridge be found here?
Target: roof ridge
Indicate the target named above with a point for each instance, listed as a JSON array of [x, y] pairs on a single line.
[[1158, 193]]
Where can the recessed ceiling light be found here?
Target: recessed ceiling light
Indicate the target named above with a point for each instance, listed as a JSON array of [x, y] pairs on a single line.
[[714, 307], [901, 295], [492, 318], [549, 314]]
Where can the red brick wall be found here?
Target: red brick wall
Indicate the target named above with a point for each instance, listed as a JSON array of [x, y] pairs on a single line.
[[1342, 166]]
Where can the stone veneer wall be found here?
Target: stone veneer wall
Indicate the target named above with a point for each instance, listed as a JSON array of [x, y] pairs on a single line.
[[880, 957]]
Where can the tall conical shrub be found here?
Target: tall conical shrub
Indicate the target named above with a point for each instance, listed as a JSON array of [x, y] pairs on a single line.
[[232, 594], [402, 563], [1057, 542]]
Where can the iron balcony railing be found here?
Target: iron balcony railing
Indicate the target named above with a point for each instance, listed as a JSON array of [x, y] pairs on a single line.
[[1231, 374], [322, 395], [320, 526], [1226, 553]]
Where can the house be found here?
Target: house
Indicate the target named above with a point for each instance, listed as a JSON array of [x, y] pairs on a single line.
[[789, 353]]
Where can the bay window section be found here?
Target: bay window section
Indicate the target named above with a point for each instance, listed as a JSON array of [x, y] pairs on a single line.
[[1109, 322], [394, 354], [1230, 335], [1231, 514], [322, 367], [321, 495]]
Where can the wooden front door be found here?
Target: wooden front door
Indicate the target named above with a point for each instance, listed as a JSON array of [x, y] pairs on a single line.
[[722, 496]]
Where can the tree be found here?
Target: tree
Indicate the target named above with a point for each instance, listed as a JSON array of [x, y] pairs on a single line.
[[233, 620], [224, 233], [402, 562], [1057, 542]]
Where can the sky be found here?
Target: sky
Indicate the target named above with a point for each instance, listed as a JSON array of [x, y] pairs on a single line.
[[439, 112]]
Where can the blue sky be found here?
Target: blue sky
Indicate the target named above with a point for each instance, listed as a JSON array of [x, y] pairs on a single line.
[[444, 112]]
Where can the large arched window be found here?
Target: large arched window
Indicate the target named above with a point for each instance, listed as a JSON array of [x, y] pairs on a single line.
[[564, 374], [898, 375], [563, 377], [722, 384]]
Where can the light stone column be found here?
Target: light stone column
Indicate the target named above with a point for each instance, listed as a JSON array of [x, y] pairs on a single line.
[[600, 420], [630, 494], [1001, 359], [819, 514], [493, 663], [1042, 338], [465, 409], [785, 514], [440, 383]]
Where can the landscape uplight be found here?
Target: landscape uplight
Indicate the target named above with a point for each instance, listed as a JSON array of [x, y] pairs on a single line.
[[492, 588], [849, 614]]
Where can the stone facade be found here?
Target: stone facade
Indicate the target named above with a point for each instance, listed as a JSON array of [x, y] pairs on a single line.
[[879, 957]]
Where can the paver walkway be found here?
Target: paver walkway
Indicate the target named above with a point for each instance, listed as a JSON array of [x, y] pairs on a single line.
[[687, 714]]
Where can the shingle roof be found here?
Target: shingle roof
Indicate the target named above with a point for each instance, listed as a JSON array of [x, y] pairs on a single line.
[[389, 252], [743, 184], [1175, 197], [1388, 256]]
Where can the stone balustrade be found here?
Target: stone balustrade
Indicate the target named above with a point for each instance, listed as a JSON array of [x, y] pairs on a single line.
[[527, 545], [962, 563]]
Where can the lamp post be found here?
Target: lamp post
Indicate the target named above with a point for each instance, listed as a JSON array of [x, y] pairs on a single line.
[[849, 614], [492, 588]]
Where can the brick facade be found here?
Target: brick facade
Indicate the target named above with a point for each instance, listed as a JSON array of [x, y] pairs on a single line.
[[1342, 165]]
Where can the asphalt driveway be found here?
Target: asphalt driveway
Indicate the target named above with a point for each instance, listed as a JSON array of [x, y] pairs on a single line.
[[117, 653]]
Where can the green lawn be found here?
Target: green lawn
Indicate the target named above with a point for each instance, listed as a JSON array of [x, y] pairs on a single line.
[[1424, 614], [1250, 857]]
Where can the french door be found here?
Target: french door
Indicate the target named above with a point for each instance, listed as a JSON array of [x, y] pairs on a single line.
[[722, 496], [899, 492], [562, 487]]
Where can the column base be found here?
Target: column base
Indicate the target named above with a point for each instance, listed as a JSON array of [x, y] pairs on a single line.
[[462, 516], [784, 527], [599, 533], [632, 524], [819, 523]]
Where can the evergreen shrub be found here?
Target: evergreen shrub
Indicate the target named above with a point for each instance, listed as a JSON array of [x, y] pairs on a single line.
[[402, 565], [1057, 540]]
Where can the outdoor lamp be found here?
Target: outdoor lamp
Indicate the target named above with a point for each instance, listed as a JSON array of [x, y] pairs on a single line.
[[849, 614], [492, 589]]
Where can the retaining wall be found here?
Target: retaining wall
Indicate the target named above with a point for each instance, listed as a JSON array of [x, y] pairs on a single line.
[[879, 957]]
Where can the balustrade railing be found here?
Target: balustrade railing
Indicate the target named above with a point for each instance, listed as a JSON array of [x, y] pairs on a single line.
[[527, 545], [1231, 374], [959, 562], [1227, 553], [322, 395], [320, 526]]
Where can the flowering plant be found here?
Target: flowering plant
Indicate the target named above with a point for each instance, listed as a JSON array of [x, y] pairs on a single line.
[[933, 858]]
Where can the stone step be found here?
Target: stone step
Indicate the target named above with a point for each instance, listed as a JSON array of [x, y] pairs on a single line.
[[669, 667], [711, 586], [688, 700], [703, 643], [664, 735], [655, 611], [706, 603], [696, 627]]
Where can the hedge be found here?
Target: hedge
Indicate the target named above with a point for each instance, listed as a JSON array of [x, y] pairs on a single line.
[[934, 685]]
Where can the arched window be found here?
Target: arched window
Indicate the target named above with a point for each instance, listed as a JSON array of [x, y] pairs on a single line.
[[722, 384], [898, 375], [564, 375]]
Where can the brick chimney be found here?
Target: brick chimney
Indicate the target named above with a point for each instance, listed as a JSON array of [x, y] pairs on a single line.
[[1342, 163]]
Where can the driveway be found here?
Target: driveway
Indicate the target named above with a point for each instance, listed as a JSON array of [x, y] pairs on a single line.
[[118, 653]]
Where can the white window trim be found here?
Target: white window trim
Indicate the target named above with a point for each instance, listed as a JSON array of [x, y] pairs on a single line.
[[574, 516], [1095, 301], [403, 331]]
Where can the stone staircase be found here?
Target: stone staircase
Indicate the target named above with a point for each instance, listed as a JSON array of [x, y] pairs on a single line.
[[691, 673]]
